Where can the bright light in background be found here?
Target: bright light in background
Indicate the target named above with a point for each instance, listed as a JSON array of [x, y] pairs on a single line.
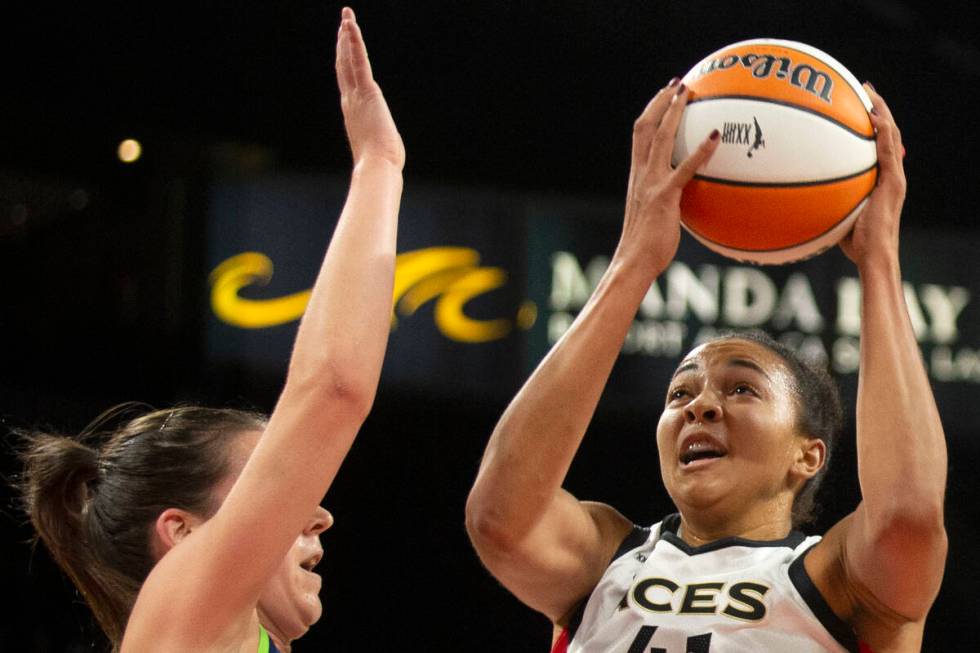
[[129, 150]]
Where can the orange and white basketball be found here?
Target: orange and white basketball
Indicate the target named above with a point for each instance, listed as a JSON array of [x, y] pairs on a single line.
[[797, 157]]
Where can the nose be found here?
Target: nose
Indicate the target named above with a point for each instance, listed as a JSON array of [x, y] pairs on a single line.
[[703, 408], [319, 522]]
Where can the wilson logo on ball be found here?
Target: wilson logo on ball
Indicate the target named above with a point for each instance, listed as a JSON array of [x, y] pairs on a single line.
[[802, 75]]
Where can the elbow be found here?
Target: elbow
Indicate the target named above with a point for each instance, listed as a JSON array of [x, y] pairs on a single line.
[[356, 400], [919, 524], [332, 385], [487, 528]]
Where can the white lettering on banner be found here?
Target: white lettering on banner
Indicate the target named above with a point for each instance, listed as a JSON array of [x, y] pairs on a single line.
[[653, 302], [750, 297], [569, 287], [687, 290], [849, 306], [809, 347], [558, 324], [847, 355], [798, 304], [944, 306], [962, 365], [919, 325], [703, 335], [655, 338], [744, 297]]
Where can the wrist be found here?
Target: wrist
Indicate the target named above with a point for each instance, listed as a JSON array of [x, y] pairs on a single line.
[[880, 264], [642, 266], [633, 272], [376, 162]]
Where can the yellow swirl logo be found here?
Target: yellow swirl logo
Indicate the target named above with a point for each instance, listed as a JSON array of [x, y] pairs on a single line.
[[449, 276]]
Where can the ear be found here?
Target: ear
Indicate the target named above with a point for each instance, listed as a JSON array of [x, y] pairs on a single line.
[[172, 526], [810, 458]]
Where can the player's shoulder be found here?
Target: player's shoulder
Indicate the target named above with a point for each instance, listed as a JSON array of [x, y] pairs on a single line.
[[612, 525]]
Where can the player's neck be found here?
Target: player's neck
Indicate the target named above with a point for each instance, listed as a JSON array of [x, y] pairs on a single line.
[[698, 530]]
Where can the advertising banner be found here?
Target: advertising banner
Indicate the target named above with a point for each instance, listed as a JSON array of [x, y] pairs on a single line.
[[486, 282]]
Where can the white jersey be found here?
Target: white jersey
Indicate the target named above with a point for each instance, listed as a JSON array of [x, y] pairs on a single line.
[[660, 595]]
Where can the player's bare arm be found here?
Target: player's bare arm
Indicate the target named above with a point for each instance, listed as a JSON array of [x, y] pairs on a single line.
[[330, 387], [881, 567], [544, 545]]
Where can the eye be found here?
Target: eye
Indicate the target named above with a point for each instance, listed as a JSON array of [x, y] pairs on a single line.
[[744, 389], [676, 393]]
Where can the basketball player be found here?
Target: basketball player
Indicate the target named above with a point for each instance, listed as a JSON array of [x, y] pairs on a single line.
[[745, 429], [197, 529]]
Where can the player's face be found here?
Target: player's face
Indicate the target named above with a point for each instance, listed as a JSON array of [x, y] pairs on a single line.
[[290, 602], [728, 434]]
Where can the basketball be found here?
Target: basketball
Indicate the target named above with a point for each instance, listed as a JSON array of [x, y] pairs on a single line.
[[797, 158]]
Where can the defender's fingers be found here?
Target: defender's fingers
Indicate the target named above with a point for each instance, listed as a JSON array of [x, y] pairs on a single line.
[[689, 166], [663, 142], [359, 56], [345, 73]]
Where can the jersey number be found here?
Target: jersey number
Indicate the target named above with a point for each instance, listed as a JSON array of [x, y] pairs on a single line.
[[695, 643]]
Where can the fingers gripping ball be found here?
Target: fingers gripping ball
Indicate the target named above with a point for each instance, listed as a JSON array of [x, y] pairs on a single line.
[[797, 158]]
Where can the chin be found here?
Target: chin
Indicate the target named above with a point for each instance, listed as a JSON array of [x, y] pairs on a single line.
[[315, 613], [291, 615], [699, 497]]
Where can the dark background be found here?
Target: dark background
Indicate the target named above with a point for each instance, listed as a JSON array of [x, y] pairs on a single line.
[[103, 264]]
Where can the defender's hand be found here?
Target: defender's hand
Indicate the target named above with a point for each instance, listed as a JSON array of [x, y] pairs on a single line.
[[371, 130]]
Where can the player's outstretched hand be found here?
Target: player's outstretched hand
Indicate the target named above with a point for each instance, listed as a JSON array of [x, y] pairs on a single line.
[[875, 232], [370, 127], [651, 229]]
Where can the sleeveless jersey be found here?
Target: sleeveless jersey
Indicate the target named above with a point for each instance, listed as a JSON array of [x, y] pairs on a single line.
[[660, 595], [266, 645]]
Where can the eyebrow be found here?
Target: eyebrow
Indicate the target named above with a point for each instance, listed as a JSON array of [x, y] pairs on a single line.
[[684, 368], [743, 362], [733, 362]]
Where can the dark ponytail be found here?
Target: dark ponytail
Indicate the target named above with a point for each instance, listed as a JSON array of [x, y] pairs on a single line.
[[59, 474], [93, 498]]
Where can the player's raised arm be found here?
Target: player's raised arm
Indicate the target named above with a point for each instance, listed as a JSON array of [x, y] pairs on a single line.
[[543, 544], [894, 546], [331, 384]]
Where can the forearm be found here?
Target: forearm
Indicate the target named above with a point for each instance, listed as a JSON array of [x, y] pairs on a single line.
[[901, 445], [342, 336], [537, 437]]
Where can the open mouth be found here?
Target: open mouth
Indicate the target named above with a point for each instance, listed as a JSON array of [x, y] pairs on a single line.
[[700, 449], [312, 561]]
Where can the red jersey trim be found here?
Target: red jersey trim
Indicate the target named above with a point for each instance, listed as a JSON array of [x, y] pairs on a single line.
[[561, 644]]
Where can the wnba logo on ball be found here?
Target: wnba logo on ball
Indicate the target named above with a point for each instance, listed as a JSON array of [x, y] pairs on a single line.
[[744, 133]]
